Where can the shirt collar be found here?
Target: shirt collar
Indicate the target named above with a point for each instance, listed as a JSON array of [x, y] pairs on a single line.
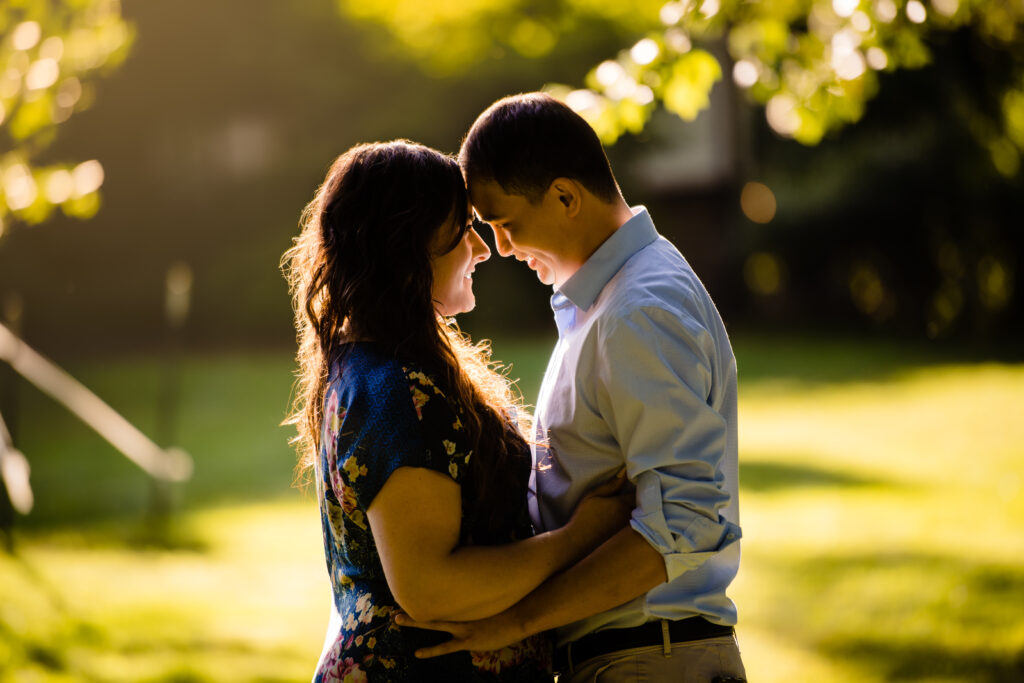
[[583, 288]]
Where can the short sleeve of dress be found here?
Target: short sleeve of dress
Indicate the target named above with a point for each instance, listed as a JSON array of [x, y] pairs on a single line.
[[407, 421]]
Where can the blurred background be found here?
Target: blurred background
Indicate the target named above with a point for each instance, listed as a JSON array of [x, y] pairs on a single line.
[[845, 176]]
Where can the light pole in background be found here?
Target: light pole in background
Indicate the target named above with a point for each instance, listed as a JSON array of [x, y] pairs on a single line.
[[177, 301]]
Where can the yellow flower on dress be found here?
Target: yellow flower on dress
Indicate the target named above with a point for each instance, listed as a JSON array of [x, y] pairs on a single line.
[[353, 469], [419, 399], [419, 377], [449, 447], [453, 470]]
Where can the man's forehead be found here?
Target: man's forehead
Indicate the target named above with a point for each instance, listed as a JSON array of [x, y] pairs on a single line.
[[487, 199]]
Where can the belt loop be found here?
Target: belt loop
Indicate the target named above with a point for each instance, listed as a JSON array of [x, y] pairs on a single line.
[[568, 658], [666, 641]]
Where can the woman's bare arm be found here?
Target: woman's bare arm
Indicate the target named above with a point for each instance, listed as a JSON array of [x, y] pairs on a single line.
[[415, 520]]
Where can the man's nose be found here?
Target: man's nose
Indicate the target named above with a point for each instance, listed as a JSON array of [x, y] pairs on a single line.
[[481, 252], [501, 242]]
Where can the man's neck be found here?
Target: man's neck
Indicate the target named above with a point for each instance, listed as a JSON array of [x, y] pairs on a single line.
[[593, 227]]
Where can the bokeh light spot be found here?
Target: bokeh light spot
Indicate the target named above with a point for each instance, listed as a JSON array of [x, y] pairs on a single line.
[[861, 21], [52, 48], [59, 186], [581, 100], [42, 74], [885, 10], [69, 92], [844, 8], [762, 272], [678, 40], [877, 59], [643, 95], [758, 202], [916, 12], [782, 115], [709, 8], [946, 305], [672, 12], [609, 72], [866, 288], [645, 51], [88, 177], [25, 35], [995, 283], [19, 187], [744, 73]]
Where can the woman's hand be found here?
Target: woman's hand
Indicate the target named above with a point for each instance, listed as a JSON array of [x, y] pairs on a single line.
[[601, 514]]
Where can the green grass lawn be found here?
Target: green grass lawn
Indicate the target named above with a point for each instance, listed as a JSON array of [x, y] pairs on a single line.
[[882, 510]]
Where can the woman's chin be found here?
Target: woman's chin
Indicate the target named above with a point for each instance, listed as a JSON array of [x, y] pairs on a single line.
[[454, 310]]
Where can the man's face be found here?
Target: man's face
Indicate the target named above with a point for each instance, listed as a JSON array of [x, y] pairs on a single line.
[[521, 228]]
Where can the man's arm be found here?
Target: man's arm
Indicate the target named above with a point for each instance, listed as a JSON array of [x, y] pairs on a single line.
[[623, 568]]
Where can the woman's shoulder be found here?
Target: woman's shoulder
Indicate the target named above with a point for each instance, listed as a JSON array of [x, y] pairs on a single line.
[[365, 371]]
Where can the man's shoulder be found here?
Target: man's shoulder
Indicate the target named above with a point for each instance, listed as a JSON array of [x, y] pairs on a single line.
[[656, 281]]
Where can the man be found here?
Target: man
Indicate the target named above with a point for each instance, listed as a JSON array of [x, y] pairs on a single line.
[[643, 376]]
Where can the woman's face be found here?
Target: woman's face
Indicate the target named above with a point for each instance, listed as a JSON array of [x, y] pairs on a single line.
[[453, 271]]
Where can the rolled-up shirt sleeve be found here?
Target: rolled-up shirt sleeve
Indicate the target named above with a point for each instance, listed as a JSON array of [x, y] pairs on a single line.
[[653, 387]]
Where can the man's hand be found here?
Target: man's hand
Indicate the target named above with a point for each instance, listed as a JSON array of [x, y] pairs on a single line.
[[492, 633]]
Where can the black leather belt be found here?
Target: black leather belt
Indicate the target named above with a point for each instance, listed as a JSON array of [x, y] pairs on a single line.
[[570, 656]]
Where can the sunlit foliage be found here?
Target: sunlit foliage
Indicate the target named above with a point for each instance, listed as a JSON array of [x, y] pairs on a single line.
[[453, 37], [50, 53], [813, 64]]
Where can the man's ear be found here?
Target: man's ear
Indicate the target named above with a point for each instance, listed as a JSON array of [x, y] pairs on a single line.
[[569, 195]]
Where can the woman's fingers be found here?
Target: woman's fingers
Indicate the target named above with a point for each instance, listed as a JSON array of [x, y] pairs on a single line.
[[447, 647], [403, 619]]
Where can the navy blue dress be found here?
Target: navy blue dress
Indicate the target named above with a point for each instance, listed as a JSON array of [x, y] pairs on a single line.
[[381, 414]]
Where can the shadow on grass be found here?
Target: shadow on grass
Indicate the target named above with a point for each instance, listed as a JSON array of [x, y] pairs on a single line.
[[763, 477], [59, 642], [814, 360], [906, 616], [900, 662]]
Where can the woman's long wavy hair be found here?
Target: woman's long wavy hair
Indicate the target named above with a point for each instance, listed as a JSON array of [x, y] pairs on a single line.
[[361, 268]]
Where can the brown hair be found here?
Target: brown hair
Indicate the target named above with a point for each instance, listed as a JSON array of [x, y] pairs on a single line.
[[363, 259]]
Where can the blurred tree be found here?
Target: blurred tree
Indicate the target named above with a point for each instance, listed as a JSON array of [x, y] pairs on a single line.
[[813, 63], [50, 51], [922, 201]]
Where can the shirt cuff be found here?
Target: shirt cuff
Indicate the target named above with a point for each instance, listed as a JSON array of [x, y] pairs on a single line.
[[679, 560]]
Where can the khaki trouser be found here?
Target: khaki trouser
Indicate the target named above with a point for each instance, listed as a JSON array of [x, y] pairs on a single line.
[[698, 661]]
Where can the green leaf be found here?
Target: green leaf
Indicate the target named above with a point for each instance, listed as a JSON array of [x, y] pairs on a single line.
[[689, 84]]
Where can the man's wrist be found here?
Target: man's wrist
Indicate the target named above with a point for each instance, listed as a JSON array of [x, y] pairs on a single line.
[[518, 621]]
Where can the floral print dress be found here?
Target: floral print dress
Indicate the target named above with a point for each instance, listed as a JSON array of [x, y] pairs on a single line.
[[381, 414]]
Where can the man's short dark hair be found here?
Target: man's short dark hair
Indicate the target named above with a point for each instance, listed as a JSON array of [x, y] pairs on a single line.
[[523, 142]]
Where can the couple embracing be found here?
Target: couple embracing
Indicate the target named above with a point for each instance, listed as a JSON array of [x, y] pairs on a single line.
[[465, 541]]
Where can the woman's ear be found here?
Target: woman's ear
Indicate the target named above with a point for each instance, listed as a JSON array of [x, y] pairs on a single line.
[[569, 195]]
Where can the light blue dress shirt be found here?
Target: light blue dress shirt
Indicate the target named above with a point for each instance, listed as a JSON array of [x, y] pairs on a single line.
[[643, 376]]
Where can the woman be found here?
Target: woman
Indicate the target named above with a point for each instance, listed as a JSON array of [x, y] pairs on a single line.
[[413, 439]]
